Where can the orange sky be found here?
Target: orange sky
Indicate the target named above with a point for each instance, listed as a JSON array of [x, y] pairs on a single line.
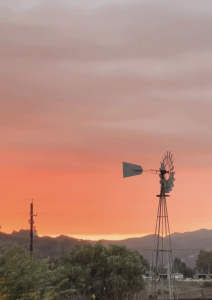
[[86, 85]]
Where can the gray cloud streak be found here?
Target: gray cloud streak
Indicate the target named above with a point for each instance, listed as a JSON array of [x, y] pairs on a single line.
[[95, 81]]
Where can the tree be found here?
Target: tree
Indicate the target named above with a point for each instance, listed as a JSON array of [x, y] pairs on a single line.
[[24, 278], [204, 261], [144, 262], [109, 273], [181, 267]]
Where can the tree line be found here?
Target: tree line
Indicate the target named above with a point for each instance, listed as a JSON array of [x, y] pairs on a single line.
[[203, 265], [114, 272]]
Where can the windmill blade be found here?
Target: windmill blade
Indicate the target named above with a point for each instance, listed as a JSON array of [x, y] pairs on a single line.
[[131, 170], [170, 185], [162, 166], [171, 177], [169, 189], [169, 182]]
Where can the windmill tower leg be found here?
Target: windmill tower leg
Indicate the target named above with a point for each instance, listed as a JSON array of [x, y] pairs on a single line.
[[162, 275]]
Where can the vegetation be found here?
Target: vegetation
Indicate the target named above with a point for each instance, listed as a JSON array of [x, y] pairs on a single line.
[[22, 277], [109, 273], [46, 246], [180, 267], [206, 284], [204, 262]]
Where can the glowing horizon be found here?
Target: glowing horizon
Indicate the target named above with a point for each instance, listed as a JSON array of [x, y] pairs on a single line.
[[112, 237]]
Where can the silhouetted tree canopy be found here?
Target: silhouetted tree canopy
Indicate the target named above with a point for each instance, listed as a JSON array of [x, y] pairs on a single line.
[[114, 272], [204, 262], [180, 267], [25, 278]]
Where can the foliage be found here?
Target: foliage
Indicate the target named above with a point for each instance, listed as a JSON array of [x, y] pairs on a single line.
[[204, 261], [144, 262], [110, 273], [165, 292], [180, 267], [207, 284], [25, 278]]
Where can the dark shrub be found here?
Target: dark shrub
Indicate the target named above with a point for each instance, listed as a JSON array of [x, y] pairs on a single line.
[[207, 284]]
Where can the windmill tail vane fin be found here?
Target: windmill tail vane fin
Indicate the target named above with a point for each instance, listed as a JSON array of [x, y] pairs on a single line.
[[131, 170]]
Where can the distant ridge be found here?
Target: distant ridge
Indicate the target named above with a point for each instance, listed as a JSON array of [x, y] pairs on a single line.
[[185, 245]]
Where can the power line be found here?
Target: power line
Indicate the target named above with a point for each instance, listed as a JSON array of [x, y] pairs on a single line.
[[172, 249]]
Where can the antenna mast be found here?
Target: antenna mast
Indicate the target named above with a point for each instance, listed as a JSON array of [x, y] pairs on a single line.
[[32, 228]]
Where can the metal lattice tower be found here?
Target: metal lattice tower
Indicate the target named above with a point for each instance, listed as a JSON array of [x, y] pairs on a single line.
[[162, 273]]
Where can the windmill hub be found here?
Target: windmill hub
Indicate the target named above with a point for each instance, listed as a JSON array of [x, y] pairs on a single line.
[[163, 172]]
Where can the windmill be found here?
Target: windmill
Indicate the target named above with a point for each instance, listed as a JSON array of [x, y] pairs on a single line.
[[162, 274]]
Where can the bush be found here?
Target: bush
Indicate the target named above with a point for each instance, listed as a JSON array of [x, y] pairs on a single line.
[[207, 284], [114, 272], [165, 292], [23, 277]]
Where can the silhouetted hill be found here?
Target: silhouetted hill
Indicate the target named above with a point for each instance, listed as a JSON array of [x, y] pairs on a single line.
[[46, 246], [185, 245]]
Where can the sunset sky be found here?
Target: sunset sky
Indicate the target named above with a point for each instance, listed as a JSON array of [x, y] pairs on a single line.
[[88, 84]]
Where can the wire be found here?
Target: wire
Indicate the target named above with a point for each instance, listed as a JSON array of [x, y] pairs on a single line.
[[24, 200], [172, 249]]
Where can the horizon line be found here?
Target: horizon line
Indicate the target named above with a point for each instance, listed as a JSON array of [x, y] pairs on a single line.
[[114, 237], [98, 237]]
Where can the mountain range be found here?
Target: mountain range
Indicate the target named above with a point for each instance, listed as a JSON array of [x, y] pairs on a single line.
[[185, 245]]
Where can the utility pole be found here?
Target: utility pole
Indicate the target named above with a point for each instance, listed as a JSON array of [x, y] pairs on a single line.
[[32, 229]]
